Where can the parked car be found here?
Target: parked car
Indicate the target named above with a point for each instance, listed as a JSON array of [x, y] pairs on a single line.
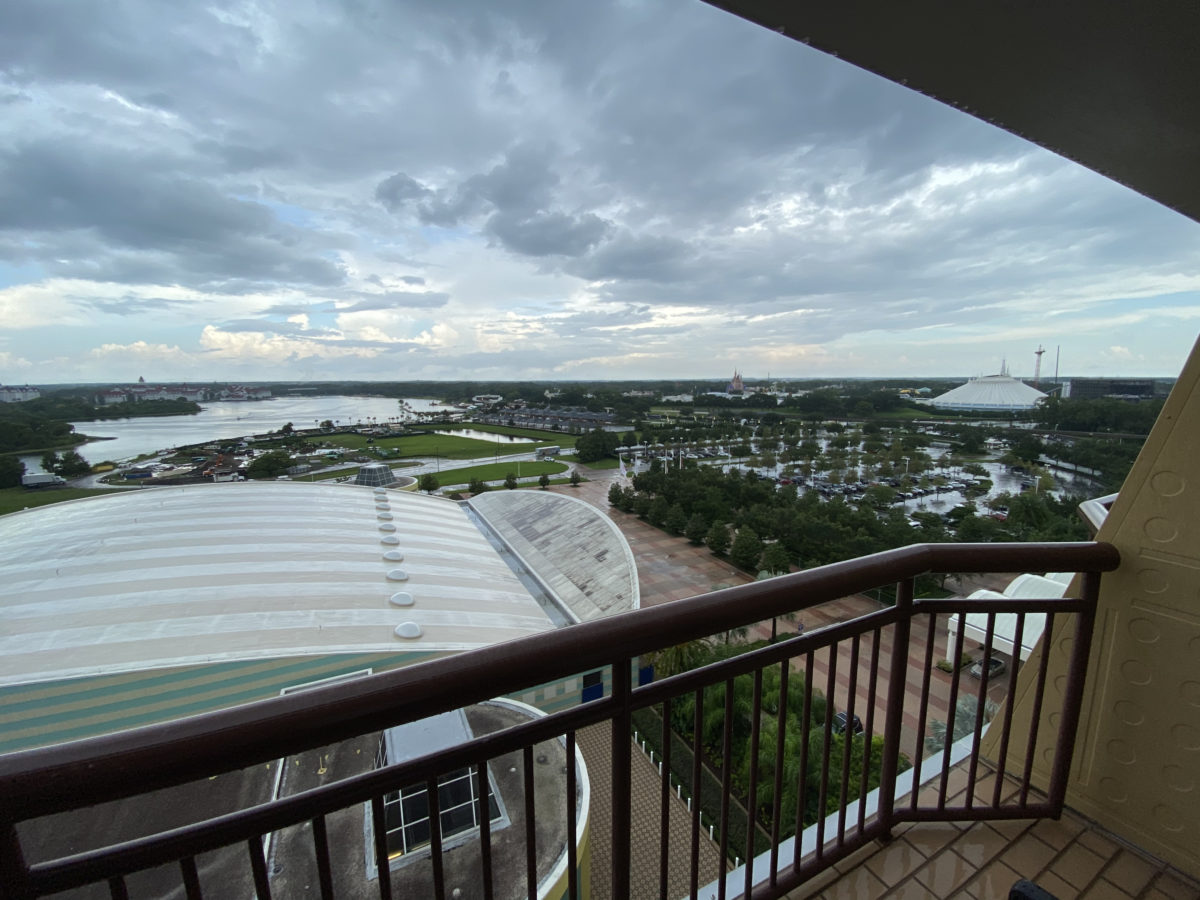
[[996, 666], [839, 724]]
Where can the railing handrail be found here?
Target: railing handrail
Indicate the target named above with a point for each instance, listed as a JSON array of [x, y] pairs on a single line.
[[47, 780]]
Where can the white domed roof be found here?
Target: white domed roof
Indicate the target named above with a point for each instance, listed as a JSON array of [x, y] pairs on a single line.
[[991, 392]]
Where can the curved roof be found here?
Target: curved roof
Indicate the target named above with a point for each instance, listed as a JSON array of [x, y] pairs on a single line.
[[576, 551], [991, 392], [204, 573]]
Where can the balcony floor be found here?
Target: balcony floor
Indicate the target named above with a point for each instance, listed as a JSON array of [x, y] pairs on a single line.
[[1070, 858]]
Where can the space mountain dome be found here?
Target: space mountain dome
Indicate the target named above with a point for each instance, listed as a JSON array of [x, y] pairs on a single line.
[[992, 393]]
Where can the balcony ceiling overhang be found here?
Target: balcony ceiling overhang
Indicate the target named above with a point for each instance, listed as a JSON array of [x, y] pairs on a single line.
[[1112, 86]]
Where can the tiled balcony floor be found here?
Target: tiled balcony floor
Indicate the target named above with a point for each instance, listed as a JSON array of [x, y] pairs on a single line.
[[1071, 858]]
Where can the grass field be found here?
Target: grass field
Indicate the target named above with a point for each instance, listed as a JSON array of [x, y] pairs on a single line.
[[444, 446], [496, 471], [607, 463], [14, 499]]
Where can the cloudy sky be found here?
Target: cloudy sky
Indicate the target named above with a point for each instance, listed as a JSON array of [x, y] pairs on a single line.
[[403, 189]]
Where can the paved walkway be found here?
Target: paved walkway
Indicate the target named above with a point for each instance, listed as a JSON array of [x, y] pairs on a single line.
[[669, 568], [645, 832]]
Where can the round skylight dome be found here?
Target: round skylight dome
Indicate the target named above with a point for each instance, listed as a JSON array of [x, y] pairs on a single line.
[[408, 630]]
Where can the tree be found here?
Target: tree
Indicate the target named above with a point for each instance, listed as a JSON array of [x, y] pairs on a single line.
[[576, 478], [327, 424], [50, 461], [269, 465], [510, 481], [11, 470], [676, 520], [429, 483], [596, 444], [287, 429], [544, 481], [746, 550], [717, 538], [72, 465], [615, 492], [475, 486], [776, 559], [696, 529]]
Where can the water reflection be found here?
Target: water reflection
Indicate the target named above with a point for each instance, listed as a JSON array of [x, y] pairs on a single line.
[[486, 436]]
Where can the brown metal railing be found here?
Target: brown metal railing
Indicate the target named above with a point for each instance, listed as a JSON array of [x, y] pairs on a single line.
[[128, 765]]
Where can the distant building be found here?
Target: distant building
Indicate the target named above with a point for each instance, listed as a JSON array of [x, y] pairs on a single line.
[[238, 392], [735, 386], [110, 397], [14, 394], [1121, 388]]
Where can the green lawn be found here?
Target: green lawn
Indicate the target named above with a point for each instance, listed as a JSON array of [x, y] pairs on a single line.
[[607, 463], [14, 499], [421, 445], [496, 471]]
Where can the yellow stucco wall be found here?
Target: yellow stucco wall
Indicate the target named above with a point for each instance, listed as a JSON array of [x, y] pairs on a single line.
[[1136, 768]]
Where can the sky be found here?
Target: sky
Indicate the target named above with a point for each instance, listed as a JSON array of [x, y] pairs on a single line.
[[491, 189]]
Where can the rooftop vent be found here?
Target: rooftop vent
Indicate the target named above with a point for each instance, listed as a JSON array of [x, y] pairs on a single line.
[[397, 575], [394, 556], [408, 630], [401, 598]]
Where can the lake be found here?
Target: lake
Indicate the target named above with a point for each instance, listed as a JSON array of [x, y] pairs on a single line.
[[133, 437], [487, 436]]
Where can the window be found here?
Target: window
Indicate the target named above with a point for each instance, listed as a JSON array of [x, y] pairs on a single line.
[[406, 812]]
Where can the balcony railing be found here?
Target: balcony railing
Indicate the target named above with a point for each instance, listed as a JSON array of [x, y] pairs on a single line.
[[866, 668]]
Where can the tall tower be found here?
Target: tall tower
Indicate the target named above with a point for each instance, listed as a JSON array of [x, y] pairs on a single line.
[[1037, 366]]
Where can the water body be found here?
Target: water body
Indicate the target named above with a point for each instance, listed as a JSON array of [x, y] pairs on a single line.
[[486, 436], [133, 437]]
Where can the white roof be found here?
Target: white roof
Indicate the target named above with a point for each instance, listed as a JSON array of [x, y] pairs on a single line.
[[576, 552], [183, 575], [1023, 587], [996, 392]]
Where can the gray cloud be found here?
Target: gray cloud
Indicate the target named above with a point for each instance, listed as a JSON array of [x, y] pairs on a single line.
[[130, 305], [648, 155], [152, 218], [398, 190], [398, 300], [546, 234]]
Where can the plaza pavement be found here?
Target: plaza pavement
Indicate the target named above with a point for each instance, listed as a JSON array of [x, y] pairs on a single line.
[[669, 569]]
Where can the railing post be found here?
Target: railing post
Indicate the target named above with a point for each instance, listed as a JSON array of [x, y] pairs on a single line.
[[895, 707], [1073, 693], [14, 876], [621, 727]]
